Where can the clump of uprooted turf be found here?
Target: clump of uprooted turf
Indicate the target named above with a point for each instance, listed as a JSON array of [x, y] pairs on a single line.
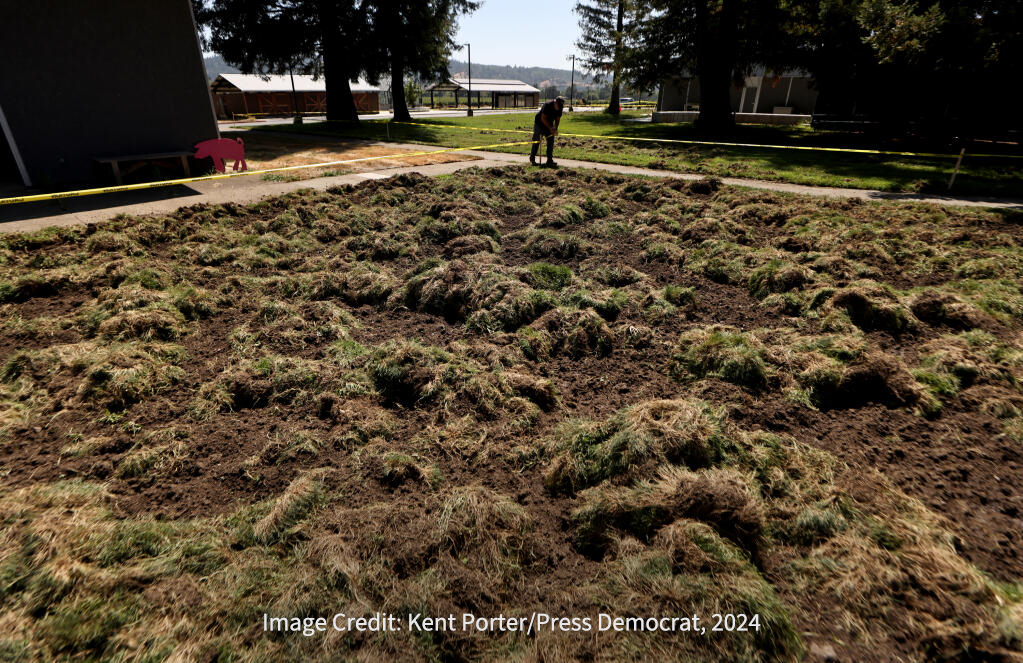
[[684, 507]]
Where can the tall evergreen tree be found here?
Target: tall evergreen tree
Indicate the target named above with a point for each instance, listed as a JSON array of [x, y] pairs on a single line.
[[318, 37], [721, 41], [940, 65], [607, 27], [417, 36]]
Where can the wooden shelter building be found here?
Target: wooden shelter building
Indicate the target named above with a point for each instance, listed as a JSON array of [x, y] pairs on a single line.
[[503, 93], [253, 94]]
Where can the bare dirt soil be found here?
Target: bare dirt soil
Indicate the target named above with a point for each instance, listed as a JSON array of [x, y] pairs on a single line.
[[510, 391], [266, 150]]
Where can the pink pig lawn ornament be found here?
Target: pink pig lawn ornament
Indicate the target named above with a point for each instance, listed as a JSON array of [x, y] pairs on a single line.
[[220, 150]]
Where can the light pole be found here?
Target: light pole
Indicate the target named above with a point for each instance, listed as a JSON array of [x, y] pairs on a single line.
[[469, 57], [571, 95]]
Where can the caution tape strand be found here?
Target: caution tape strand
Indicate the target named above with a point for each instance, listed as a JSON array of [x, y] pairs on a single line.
[[715, 143], [205, 178]]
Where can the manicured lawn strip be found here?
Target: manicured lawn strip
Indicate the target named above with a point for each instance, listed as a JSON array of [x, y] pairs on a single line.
[[978, 176]]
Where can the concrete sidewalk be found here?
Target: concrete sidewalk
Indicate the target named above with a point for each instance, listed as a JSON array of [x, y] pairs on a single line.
[[26, 217]]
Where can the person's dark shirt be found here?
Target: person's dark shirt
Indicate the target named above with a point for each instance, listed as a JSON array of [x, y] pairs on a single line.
[[551, 110]]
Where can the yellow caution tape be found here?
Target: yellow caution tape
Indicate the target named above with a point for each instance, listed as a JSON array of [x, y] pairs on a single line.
[[707, 142], [204, 178]]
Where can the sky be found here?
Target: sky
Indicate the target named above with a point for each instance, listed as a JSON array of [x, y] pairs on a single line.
[[529, 33]]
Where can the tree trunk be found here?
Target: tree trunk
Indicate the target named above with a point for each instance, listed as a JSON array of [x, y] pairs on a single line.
[[715, 99], [614, 106], [340, 102], [716, 42], [398, 104]]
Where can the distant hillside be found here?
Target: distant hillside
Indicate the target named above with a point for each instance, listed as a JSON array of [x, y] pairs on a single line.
[[538, 76], [216, 66]]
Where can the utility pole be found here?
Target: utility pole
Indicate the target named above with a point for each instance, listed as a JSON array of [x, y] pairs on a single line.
[[571, 95], [469, 53]]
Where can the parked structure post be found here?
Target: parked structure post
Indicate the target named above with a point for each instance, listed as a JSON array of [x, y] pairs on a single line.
[[469, 58], [294, 97], [571, 95]]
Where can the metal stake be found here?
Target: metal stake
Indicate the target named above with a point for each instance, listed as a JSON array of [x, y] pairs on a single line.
[[955, 172]]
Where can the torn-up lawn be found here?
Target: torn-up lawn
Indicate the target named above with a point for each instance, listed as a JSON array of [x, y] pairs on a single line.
[[513, 391]]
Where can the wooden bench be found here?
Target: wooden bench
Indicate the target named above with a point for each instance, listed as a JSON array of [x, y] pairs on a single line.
[[140, 160]]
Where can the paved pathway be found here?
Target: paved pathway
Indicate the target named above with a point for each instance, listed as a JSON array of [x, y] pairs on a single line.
[[90, 209]]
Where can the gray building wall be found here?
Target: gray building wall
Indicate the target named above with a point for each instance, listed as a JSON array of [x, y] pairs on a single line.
[[98, 78], [802, 98]]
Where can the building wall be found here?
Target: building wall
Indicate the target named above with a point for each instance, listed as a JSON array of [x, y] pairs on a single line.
[[95, 78], [230, 104], [510, 100], [772, 93]]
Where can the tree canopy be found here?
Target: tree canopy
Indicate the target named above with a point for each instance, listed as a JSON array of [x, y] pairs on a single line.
[[607, 34], [936, 62], [338, 39], [418, 37]]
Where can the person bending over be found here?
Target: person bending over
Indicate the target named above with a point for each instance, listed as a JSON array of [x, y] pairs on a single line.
[[546, 124]]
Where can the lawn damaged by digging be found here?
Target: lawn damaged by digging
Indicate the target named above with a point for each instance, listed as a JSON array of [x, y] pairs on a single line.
[[513, 392]]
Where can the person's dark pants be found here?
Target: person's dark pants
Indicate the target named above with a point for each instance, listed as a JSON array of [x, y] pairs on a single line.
[[540, 130]]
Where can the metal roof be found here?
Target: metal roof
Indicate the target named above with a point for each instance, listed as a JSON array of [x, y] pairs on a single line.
[[484, 85], [280, 83]]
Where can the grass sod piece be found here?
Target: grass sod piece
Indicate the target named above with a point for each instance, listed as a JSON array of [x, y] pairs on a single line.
[[655, 432], [729, 354]]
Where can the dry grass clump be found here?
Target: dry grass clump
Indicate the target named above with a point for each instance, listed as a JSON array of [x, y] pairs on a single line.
[[723, 352], [160, 451], [704, 228], [616, 275], [75, 578], [895, 553], [688, 567], [718, 497], [110, 376], [469, 244], [410, 373], [872, 306], [257, 383], [573, 333], [294, 505], [777, 276], [447, 220], [558, 215], [545, 243], [359, 283], [146, 324], [941, 308], [490, 297], [875, 377], [678, 535], [493, 529], [279, 325], [41, 283], [952, 363], [638, 438], [718, 260]]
